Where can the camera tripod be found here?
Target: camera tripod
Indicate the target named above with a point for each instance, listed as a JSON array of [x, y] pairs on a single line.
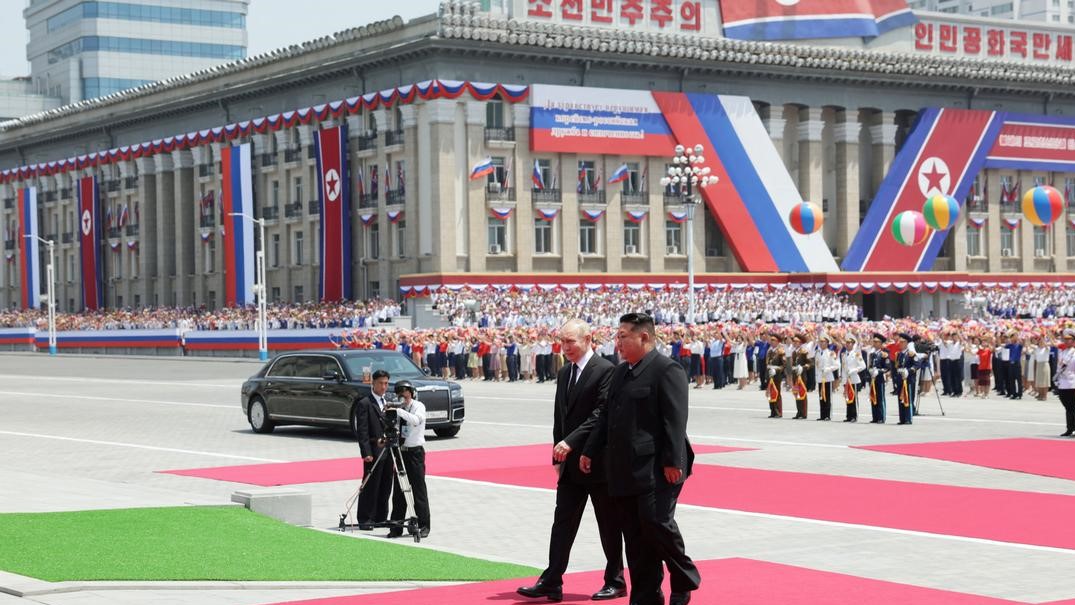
[[409, 524], [918, 393]]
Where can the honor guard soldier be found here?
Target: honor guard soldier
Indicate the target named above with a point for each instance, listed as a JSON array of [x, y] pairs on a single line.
[[878, 364], [903, 377], [774, 367], [802, 366]]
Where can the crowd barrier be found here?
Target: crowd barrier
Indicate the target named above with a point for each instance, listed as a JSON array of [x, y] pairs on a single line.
[[172, 342]]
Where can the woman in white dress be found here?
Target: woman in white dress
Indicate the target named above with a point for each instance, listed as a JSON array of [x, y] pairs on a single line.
[[1042, 371], [739, 365]]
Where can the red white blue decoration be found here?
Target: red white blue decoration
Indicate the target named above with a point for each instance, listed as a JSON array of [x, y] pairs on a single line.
[[538, 180], [395, 216], [940, 211], [909, 228], [547, 215], [334, 194], [1043, 205], [89, 238], [593, 215], [483, 168], [237, 196], [1011, 223], [636, 216], [802, 19], [806, 218], [571, 119], [30, 268], [677, 216], [500, 213], [368, 219], [620, 175]]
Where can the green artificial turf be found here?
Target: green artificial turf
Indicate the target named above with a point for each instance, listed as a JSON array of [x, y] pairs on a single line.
[[214, 543]]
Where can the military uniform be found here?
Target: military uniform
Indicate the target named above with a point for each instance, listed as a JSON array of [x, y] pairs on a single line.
[[904, 378], [878, 365], [801, 359], [774, 368]]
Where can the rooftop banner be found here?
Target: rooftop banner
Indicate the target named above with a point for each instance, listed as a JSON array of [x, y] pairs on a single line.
[[801, 20]]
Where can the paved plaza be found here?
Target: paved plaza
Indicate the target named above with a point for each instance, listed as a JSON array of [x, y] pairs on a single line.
[[91, 432]]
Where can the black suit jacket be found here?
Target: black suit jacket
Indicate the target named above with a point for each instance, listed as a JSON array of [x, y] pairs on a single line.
[[573, 411], [643, 426], [370, 429]]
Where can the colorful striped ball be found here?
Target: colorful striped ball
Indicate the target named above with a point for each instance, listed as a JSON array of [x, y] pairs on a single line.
[[940, 211], [1042, 205], [910, 228], [806, 218]]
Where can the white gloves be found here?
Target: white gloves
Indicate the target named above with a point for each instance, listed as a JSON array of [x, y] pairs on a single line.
[[798, 370], [775, 369], [903, 372], [873, 372], [920, 356]]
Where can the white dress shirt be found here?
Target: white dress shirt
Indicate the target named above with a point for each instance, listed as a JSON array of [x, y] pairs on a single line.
[[412, 424]]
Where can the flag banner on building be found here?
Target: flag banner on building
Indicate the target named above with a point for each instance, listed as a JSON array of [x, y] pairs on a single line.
[[799, 20], [500, 213], [977, 223], [1011, 223], [29, 257], [547, 215], [395, 216], [738, 150], [637, 216], [334, 194], [593, 215], [368, 219], [90, 227], [536, 177], [237, 196], [943, 153], [677, 217]]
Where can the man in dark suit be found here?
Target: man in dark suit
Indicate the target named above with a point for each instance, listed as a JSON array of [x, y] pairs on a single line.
[[373, 501], [580, 386], [643, 429]]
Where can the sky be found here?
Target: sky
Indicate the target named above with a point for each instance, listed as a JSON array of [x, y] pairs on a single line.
[[270, 24]]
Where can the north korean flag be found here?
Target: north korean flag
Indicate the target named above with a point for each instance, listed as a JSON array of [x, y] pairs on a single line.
[[807, 19], [89, 228], [334, 192]]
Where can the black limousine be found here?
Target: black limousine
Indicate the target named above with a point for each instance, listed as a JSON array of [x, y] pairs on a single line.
[[321, 388]]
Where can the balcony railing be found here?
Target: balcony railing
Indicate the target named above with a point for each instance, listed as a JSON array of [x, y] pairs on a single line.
[[393, 137], [268, 159], [977, 205], [592, 197], [673, 198], [394, 196], [132, 229], [205, 169], [65, 193], [207, 221], [49, 196], [130, 182], [313, 207], [635, 198], [292, 155], [115, 232], [293, 210], [50, 237], [270, 213], [545, 195], [67, 237], [367, 142], [367, 200], [499, 134], [9, 203], [112, 186], [499, 194], [9, 245]]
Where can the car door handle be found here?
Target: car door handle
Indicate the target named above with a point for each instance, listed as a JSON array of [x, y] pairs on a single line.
[[321, 387]]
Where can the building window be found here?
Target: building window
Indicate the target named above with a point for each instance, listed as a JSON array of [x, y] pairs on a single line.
[[548, 177], [1070, 236], [401, 241], [296, 252], [542, 236], [714, 237], [634, 183], [275, 249], [587, 177], [1007, 240], [974, 241], [496, 178], [587, 237], [632, 238], [673, 237], [143, 46], [298, 190], [494, 114], [275, 192], [374, 233], [133, 260], [71, 267], [210, 255], [498, 235], [298, 294], [275, 295], [1041, 244]]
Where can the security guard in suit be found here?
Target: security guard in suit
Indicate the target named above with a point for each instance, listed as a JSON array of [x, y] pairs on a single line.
[[581, 386], [648, 457], [369, 424]]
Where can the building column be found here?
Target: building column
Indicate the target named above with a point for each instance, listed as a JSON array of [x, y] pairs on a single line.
[[993, 224], [811, 154], [1058, 232], [147, 205], [446, 182], [654, 222], [202, 155], [614, 218], [883, 137], [524, 212], [570, 213], [477, 212], [774, 123], [959, 243], [183, 230], [845, 136], [409, 124], [162, 218]]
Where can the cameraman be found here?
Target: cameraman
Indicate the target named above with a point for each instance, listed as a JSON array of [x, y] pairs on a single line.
[[412, 434], [373, 500]]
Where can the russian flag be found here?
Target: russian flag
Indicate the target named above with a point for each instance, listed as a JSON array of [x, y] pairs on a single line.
[[539, 182], [482, 168], [30, 270], [334, 191], [124, 216], [620, 175], [798, 20], [89, 230], [237, 196]]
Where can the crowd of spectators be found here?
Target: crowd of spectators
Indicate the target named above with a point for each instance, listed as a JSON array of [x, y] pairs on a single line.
[[346, 314], [507, 308], [1023, 302]]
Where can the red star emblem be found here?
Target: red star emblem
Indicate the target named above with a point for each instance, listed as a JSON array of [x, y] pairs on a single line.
[[934, 177]]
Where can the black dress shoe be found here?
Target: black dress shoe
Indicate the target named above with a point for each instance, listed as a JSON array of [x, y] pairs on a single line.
[[679, 598], [609, 592], [395, 533], [365, 526], [1067, 434], [424, 532], [552, 593]]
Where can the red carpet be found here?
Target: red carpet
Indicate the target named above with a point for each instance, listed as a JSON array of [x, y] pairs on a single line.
[[738, 581], [437, 463], [1048, 457], [991, 514]]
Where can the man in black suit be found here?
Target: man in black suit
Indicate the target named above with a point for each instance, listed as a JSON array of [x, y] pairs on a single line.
[[373, 501], [580, 387], [643, 430]]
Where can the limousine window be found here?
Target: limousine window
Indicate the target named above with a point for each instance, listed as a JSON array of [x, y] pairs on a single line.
[[283, 368], [397, 366]]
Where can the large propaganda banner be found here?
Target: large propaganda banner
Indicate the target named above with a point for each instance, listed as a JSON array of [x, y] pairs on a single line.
[[334, 192], [29, 255], [944, 152], [89, 239], [755, 194], [237, 198]]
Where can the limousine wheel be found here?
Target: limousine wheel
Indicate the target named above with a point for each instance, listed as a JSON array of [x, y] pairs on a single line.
[[259, 417], [448, 431]]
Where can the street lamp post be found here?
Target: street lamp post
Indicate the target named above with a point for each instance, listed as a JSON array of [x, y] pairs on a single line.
[[689, 172], [259, 287], [51, 301]]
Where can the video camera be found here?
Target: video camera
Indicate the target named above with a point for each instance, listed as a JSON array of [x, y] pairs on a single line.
[[390, 419]]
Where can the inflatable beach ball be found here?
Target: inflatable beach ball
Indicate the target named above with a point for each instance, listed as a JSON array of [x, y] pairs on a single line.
[[1042, 205], [910, 228], [940, 211], [806, 218]]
